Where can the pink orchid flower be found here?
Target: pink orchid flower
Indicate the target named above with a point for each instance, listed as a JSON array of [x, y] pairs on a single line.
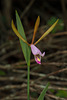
[[37, 53]]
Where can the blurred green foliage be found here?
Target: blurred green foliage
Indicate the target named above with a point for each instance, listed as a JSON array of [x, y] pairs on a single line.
[[59, 93], [2, 72], [58, 27], [51, 90], [62, 93], [34, 94]]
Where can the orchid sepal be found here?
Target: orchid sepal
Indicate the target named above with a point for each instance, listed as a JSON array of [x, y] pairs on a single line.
[[35, 28], [47, 32], [18, 34]]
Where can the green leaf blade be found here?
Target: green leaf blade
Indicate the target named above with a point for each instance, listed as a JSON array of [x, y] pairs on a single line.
[[41, 97], [25, 48]]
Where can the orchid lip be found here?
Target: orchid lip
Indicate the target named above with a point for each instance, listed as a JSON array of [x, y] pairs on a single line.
[[38, 59]]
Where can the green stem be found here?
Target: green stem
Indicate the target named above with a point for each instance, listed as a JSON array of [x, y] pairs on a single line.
[[28, 79]]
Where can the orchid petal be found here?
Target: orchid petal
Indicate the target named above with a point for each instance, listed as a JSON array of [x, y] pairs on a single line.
[[36, 51]]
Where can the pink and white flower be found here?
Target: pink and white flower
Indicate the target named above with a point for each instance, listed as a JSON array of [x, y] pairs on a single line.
[[37, 53]]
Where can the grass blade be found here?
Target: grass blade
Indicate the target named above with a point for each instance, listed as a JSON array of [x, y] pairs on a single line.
[[41, 97]]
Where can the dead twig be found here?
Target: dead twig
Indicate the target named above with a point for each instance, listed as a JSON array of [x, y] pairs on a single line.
[[27, 8], [53, 73]]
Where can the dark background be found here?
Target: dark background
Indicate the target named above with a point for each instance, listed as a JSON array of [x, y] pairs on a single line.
[[13, 68]]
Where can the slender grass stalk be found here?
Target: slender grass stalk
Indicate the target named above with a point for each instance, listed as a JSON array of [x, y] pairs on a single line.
[[28, 81]]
